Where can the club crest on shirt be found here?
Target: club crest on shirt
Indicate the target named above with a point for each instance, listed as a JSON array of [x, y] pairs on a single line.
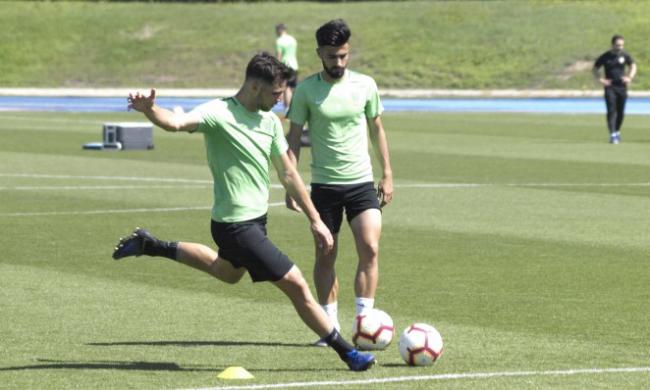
[[621, 60]]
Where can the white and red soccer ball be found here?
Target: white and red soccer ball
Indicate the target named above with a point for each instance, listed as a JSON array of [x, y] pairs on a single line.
[[420, 345], [372, 330]]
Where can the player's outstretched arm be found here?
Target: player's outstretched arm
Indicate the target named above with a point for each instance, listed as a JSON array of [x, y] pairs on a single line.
[[295, 187], [380, 145], [161, 117]]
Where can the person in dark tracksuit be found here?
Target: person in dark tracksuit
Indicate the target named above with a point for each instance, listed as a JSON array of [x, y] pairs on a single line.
[[615, 82]]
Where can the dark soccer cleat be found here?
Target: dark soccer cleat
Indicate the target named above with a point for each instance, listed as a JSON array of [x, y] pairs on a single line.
[[133, 245], [358, 361]]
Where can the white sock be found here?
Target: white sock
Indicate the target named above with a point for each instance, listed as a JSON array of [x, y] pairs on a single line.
[[332, 311], [364, 304]]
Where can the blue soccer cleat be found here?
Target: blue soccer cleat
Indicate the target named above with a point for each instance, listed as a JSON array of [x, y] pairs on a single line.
[[358, 361], [133, 245]]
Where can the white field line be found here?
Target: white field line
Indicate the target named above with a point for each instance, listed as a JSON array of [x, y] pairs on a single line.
[[278, 186], [98, 212], [475, 185], [477, 375], [114, 211], [111, 178], [113, 187], [207, 181]]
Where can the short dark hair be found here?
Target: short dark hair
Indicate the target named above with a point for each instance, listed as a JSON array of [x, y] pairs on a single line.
[[333, 33], [280, 26], [616, 38], [264, 66]]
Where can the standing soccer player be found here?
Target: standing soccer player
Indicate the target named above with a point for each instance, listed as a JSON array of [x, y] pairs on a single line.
[[286, 50], [615, 82], [242, 139], [342, 107]]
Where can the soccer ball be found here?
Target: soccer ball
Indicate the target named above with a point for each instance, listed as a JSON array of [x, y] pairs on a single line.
[[420, 345], [372, 330]]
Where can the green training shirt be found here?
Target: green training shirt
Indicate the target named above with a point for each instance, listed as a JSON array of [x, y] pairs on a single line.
[[239, 146], [337, 115], [287, 46]]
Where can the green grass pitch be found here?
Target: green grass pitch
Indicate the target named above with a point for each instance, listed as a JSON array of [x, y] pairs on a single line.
[[523, 238]]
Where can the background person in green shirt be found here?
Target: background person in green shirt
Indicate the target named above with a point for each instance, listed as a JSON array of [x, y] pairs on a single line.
[[342, 107], [242, 138], [286, 49]]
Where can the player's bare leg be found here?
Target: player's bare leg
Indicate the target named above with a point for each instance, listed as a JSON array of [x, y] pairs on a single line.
[[327, 284], [199, 256], [206, 259], [366, 229], [294, 285]]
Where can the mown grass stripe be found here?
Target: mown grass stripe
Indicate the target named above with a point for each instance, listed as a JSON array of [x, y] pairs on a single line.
[[477, 375]]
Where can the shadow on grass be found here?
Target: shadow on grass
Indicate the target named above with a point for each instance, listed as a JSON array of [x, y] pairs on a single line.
[[107, 365], [47, 364], [175, 343], [398, 365]]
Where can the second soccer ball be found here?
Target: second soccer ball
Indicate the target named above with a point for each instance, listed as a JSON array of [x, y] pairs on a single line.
[[420, 345]]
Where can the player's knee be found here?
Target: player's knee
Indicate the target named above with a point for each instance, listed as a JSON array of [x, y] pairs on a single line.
[[369, 250], [225, 272], [295, 278], [231, 278]]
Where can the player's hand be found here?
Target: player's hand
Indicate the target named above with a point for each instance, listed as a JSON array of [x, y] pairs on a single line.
[[323, 237], [606, 82], [385, 191], [627, 80], [292, 204], [141, 103]]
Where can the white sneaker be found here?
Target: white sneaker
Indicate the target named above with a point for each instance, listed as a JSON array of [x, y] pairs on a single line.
[[320, 343]]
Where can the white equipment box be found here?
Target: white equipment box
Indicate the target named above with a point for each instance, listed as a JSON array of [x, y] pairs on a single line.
[[128, 135]]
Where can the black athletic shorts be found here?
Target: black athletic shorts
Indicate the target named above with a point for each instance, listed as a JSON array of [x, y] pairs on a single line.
[[244, 244], [331, 199]]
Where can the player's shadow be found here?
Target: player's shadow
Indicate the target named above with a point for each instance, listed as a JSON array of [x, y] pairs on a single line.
[[46, 364], [178, 343], [394, 365]]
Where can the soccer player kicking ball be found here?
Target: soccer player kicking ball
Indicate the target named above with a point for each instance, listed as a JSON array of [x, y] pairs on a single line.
[[343, 108], [241, 137]]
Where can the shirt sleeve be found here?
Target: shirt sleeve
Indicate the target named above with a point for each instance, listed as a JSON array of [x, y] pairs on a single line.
[[279, 144], [298, 109], [373, 107], [628, 59], [208, 114], [200, 112]]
